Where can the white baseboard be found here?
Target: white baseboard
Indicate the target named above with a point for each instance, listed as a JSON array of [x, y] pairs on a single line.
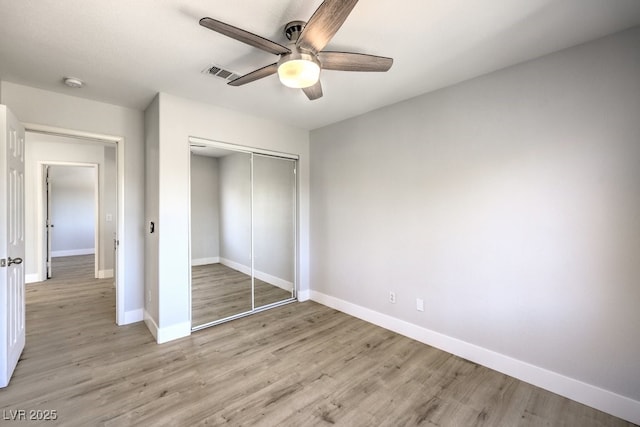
[[205, 261], [173, 332], [273, 280], [169, 333], [105, 274], [151, 325], [235, 265], [35, 277], [603, 400], [73, 252], [304, 296], [32, 278], [133, 316]]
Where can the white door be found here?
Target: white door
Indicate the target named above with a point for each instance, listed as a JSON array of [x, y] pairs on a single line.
[[12, 298]]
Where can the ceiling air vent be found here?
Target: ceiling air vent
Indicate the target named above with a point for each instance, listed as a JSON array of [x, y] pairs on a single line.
[[216, 70]]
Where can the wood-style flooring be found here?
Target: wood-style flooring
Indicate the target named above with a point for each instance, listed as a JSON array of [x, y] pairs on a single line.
[[218, 291], [300, 364]]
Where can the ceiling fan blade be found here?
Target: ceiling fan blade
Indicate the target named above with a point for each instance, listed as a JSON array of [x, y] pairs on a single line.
[[244, 36], [349, 61], [313, 92], [324, 24], [255, 75]]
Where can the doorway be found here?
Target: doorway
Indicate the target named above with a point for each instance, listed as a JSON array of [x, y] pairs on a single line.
[[71, 199], [103, 154]]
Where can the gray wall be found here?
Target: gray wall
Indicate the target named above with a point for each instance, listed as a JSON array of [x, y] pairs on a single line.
[[274, 203], [235, 208], [509, 203], [205, 214], [72, 210]]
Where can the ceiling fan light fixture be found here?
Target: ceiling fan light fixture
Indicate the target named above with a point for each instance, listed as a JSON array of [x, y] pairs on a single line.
[[298, 70]]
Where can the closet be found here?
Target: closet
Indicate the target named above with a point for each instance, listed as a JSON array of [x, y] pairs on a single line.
[[243, 231]]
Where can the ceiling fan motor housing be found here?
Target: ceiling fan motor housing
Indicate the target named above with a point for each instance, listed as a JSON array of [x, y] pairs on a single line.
[[293, 30]]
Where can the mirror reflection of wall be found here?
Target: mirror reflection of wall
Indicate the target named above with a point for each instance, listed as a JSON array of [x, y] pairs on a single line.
[[228, 209], [274, 228]]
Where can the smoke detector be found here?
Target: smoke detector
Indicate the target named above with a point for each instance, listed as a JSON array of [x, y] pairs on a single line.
[[73, 82]]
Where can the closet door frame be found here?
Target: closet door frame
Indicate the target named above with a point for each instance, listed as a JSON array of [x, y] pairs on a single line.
[[275, 154]]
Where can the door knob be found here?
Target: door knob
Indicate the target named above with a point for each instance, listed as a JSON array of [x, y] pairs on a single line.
[[15, 261]]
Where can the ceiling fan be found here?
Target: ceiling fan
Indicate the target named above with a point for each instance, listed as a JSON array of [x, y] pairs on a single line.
[[302, 59]]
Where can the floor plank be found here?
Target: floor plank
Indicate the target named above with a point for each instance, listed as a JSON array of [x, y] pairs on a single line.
[[301, 364]]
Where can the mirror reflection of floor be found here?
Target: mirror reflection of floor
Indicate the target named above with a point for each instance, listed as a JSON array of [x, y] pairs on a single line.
[[218, 291]]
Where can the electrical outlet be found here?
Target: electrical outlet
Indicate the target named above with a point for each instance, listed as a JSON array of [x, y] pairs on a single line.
[[392, 297], [419, 304]]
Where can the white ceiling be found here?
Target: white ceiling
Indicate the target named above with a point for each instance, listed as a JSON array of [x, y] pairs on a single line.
[[128, 50]]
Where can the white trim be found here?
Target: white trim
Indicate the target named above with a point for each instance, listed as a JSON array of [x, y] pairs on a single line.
[[120, 257], [173, 332], [133, 316], [236, 266], [253, 232], [151, 324], [32, 278], [97, 229], [273, 280], [53, 130], [73, 252], [205, 261], [190, 249], [304, 296], [107, 274], [120, 161], [590, 395], [163, 335]]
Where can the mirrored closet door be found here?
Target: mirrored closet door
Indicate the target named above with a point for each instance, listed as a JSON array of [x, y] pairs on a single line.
[[243, 232], [274, 205]]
